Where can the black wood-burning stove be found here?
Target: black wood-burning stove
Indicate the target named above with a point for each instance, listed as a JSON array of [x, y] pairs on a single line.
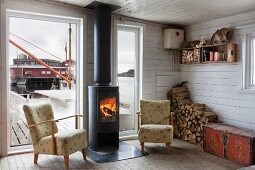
[[103, 117], [103, 121]]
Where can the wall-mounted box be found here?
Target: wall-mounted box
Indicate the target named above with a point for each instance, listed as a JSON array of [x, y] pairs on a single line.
[[173, 38]]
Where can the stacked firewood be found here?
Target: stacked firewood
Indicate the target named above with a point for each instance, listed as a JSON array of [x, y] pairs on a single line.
[[191, 56], [196, 55], [189, 117], [187, 56]]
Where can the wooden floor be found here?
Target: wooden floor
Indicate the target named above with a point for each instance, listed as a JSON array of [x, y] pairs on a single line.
[[182, 156]]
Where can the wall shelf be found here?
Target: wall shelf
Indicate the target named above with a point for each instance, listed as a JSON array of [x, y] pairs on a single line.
[[226, 53]]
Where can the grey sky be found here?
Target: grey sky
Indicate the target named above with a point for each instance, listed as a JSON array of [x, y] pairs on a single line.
[[51, 36], [126, 51]]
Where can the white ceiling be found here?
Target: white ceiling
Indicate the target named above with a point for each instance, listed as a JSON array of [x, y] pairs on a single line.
[[182, 12]]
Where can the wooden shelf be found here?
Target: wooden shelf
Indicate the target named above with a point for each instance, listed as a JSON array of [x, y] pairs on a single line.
[[215, 45], [211, 62], [192, 63], [215, 62], [222, 48], [190, 48]]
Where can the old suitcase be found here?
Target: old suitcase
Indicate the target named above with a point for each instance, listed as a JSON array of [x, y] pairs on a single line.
[[232, 143], [213, 140]]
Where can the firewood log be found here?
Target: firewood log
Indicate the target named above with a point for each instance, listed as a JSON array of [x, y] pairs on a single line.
[[189, 117]]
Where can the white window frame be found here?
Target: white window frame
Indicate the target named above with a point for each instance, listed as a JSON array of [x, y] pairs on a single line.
[[34, 11], [139, 29], [250, 62], [247, 33]]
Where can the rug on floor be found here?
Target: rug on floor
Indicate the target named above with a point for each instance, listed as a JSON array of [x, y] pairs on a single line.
[[125, 151]]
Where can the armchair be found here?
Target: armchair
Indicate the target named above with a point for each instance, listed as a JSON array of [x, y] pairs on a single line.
[[47, 139], [156, 122]]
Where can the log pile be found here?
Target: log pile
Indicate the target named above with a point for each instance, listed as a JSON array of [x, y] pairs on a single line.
[[189, 56], [189, 117]]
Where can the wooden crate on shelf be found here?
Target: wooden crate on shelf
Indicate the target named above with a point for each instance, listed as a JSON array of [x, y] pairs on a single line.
[[226, 53], [191, 55]]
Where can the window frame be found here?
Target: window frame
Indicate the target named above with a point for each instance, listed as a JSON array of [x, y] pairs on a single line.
[[248, 60], [57, 16], [121, 24]]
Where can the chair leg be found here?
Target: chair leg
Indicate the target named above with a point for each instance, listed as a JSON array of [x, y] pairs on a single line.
[[142, 146], [35, 157], [66, 161], [84, 153], [168, 145]]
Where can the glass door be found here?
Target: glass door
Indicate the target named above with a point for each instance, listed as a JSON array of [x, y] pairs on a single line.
[[127, 77], [42, 68]]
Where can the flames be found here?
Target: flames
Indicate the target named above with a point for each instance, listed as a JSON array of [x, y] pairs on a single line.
[[108, 107]]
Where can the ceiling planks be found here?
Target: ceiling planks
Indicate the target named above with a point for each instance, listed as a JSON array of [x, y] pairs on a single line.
[[181, 12]]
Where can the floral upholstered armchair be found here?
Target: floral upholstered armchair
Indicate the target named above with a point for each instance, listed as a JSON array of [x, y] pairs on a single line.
[[47, 139], [155, 119]]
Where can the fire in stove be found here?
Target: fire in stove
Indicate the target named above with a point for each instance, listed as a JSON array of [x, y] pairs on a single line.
[[108, 108]]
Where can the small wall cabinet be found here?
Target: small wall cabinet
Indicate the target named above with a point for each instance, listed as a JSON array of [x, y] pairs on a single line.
[[217, 53]]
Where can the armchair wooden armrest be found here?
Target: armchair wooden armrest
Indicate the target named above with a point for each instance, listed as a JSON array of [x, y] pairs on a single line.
[[53, 140], [57, 120], [138, 119]]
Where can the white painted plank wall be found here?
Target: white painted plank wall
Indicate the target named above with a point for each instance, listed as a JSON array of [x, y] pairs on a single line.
[[220, 85], [158, 65]]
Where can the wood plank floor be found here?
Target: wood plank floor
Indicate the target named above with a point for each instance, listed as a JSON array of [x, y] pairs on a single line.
[[181, 156]]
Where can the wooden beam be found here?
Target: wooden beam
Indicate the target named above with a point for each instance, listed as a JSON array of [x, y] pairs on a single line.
[[39, 61]]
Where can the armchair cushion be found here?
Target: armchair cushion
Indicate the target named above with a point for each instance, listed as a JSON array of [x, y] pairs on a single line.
[[155, 112], [156, 133], [37, 113], [67, 142]]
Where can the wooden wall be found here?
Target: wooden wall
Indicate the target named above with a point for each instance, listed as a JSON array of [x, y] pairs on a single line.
[[220, 85], [160, 70]]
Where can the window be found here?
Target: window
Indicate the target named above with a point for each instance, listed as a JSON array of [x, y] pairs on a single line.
[[127, 62], [9, 140], [43, 72], [252, 61], [48, 72], [63, 72], [249, 61]]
